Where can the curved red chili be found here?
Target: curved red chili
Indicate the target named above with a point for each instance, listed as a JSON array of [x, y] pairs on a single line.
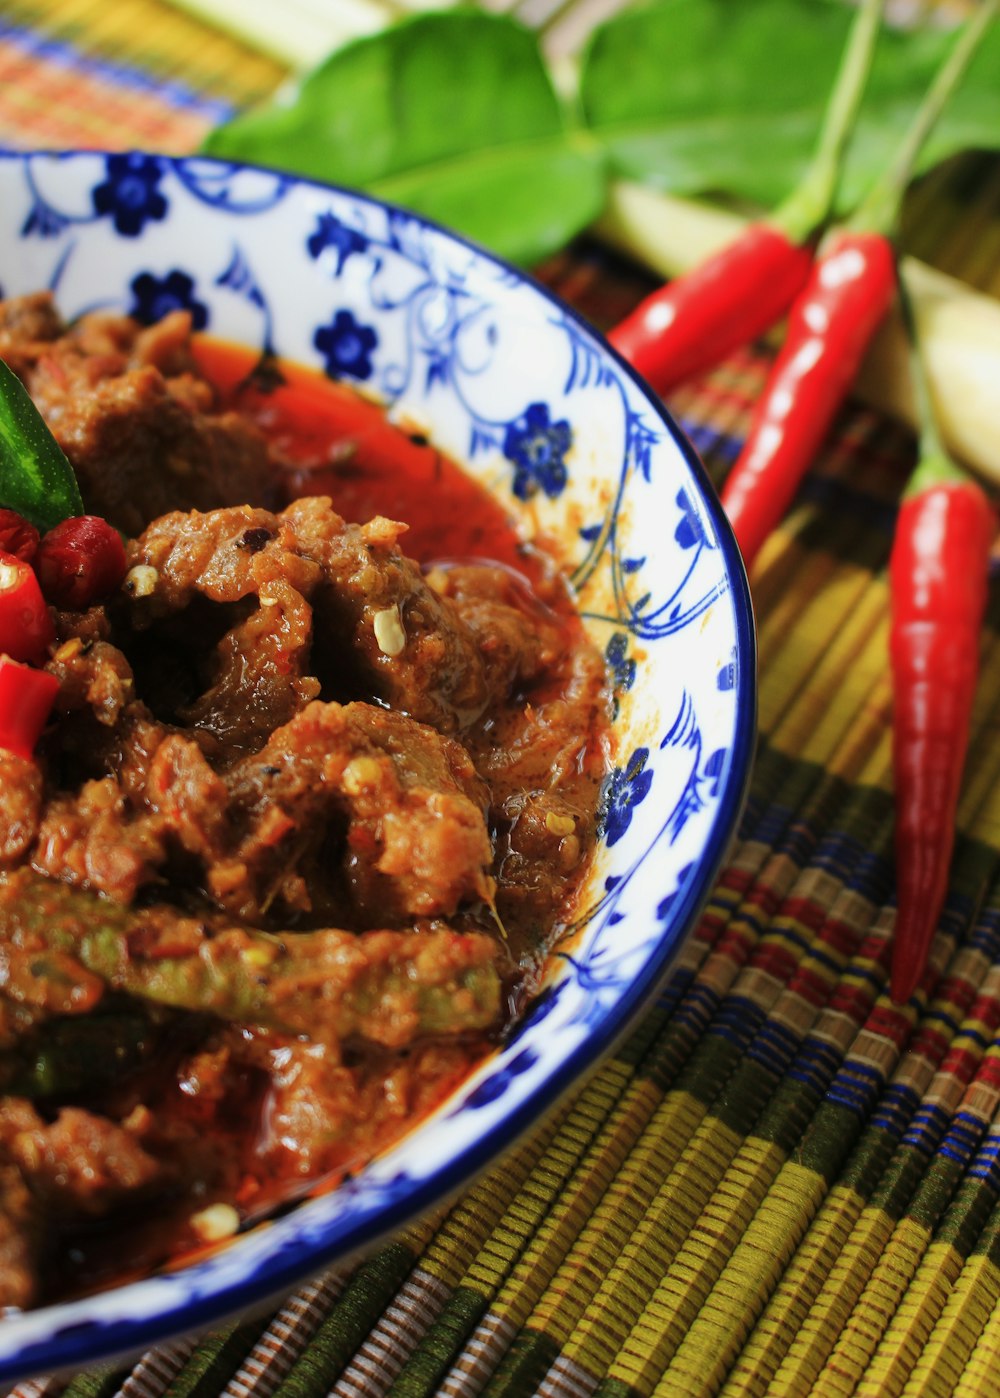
[[938, 576], [26, 629], [742, 290], [850, 289], [26, 698], [726, 301]]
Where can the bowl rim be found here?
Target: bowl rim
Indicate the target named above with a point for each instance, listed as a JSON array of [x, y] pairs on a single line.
[[78, 1336]]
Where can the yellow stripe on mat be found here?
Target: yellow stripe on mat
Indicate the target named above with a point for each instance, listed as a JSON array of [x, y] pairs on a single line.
[[155, 36]]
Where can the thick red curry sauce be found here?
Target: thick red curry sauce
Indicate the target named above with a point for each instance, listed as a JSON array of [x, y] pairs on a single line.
[[346, 448]]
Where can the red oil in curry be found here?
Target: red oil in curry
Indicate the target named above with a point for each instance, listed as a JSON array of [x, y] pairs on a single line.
[[344, 446]]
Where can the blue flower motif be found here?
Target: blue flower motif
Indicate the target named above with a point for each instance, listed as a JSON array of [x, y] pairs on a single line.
[[621, 667], [331, 233], [537, 445], [691, 530], [156, 297], [624, 789], [346, 345], [130, 195]]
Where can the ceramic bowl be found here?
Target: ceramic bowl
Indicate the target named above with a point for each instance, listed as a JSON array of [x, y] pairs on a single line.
[[518, 389]]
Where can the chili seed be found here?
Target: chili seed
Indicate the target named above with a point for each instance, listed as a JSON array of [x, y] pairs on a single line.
[[389, 633], [141, 580], [216, 1222]]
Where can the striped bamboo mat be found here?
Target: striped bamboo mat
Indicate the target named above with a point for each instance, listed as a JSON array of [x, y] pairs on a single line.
[[780, 1184]]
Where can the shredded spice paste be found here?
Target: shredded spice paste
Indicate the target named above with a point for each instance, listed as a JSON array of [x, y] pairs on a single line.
[[319, 785]]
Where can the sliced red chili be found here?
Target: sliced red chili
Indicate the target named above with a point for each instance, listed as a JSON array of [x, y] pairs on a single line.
[[81, 561], [26, 629], [938, 576], [26, 698]]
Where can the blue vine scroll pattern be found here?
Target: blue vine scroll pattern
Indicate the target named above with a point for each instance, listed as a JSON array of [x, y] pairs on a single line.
[[447, 334], [130, 192], [636, 609], [604, 968]]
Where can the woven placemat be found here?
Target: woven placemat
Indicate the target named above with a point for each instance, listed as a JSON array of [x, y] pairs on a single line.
[[781, 1183]]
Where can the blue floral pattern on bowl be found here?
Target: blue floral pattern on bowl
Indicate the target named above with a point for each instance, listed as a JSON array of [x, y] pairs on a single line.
[[346, 347], [537, 446], [624, 789], [129, 193], [503, 377], [155, 297]]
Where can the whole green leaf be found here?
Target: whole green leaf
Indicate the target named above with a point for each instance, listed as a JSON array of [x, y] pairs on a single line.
[[727, 96], [453, 115], [722, 95], [35, 477]]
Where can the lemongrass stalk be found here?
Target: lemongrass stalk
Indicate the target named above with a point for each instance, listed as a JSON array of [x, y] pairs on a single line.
[[295, 32]]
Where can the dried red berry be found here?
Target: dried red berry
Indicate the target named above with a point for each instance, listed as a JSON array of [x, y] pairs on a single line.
[[79, 562], [17, 536]]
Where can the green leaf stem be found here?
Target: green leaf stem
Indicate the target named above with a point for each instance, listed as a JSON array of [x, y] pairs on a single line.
[[742, 88]]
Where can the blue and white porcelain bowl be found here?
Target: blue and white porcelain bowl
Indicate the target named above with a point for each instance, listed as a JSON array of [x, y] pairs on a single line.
[[513, 385]]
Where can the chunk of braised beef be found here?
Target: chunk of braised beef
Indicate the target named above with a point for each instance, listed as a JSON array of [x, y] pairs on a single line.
[[407, 799], [380, 624], [133, 413]]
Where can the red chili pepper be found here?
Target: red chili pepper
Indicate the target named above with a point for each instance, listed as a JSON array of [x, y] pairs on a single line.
[[938, 584], [80, 561], [851, 288], [742, 290], [26, 697], [17, 535], [26, 629], [726, 301]]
